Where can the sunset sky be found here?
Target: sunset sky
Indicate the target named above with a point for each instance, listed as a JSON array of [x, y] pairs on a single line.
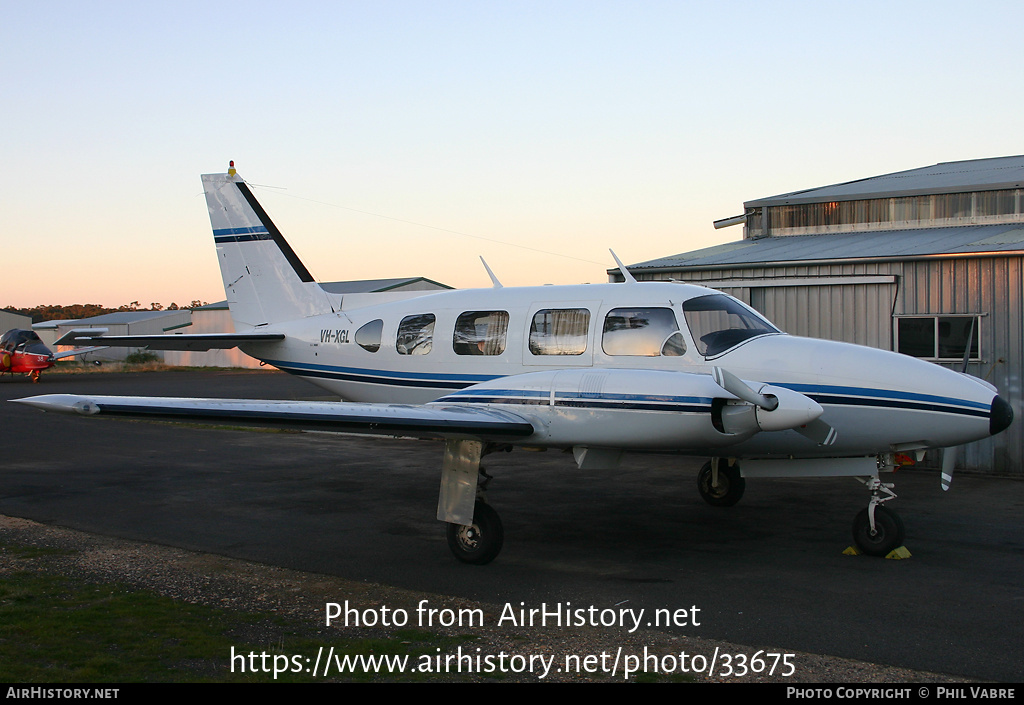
[[401, 138]]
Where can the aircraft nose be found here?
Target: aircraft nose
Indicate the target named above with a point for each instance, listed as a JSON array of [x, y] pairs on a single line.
[[1000, 416]]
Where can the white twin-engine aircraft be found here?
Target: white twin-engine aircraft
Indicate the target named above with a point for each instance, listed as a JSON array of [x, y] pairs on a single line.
[[599, 369]]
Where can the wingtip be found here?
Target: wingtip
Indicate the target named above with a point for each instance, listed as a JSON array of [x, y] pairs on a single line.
[[61, 403]]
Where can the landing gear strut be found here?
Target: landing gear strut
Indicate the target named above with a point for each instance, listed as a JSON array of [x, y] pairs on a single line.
[[878, 531], [722, 487]]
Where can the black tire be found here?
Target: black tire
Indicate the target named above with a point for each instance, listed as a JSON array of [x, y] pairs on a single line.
[[889, 532], [730, 485], [480, 543]]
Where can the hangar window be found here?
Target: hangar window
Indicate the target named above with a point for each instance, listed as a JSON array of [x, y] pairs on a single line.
[[368, 336], [641, 331], [940, 209], [718, 323], [559, 331], [416, 334], [480, 333], [938, 337]]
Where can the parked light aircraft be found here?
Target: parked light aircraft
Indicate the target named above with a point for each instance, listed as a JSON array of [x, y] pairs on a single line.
[[22, 352], [598, 369]]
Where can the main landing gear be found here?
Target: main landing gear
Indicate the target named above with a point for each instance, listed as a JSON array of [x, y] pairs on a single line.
[[474, 530], [719, 483], [480, 542]]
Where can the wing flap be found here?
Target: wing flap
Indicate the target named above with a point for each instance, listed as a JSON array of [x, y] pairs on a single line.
[[427, 421]]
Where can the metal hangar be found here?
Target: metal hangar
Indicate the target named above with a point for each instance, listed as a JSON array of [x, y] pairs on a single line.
[[926, 262]]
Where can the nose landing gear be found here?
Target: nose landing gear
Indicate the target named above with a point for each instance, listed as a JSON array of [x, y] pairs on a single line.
[[878, 531]]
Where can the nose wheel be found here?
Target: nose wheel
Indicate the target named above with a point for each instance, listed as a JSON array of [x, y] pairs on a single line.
[[878, 531], [884, 537]]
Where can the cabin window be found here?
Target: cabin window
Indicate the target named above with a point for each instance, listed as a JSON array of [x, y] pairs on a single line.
[[938, 337], [718, 323], [368, 336], [480, 333], [640, 331], [416, 334], [559, 331]]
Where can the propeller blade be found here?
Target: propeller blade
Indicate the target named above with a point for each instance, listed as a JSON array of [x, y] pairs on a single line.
[[819, 432], [948, 463], [967, 351], [738, 388]]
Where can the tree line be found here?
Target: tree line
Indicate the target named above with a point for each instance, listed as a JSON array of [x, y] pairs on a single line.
[[53, 312]]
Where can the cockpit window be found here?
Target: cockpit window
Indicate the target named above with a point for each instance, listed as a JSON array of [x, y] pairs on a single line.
[[26, 340], [641, 331], [416, 334], [718, 322]]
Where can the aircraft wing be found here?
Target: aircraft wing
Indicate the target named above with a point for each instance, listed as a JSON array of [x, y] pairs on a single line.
[[194, 341], [428, 421]]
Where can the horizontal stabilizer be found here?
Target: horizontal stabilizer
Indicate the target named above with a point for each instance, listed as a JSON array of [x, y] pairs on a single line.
[[77, 351], [195, 341], [428, 421], [80, 335]]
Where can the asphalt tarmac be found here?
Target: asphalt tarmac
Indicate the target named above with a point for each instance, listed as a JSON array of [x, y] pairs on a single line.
[[767, 573]]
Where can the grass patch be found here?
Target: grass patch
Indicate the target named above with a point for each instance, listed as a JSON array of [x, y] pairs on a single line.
[[59, 629]]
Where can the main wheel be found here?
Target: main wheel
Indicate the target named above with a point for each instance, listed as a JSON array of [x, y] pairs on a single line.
[[888, 535], [730, 485], [481, 542]]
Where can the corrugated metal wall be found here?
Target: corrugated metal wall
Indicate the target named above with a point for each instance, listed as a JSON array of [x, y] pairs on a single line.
[[863, 313], [992, 287]]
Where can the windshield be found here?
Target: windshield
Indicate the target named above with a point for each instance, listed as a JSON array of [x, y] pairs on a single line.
[[718, 322]]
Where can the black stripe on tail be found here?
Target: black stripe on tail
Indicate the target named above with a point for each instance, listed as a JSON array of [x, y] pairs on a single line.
[[286, 249]]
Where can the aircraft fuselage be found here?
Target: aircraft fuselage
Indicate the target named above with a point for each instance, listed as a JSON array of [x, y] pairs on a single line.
[[596, 353]]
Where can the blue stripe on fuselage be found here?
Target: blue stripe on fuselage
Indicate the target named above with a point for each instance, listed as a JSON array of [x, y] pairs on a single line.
[[824, 395], [887, 398], [391, 378]]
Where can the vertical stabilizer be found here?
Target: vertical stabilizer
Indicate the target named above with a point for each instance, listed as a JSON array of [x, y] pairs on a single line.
[[264, 279]]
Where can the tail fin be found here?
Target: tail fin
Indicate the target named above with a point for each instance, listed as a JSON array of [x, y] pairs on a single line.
[[264, 279]]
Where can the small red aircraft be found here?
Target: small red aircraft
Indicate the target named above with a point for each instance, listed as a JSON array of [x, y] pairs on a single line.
[[22, 352]]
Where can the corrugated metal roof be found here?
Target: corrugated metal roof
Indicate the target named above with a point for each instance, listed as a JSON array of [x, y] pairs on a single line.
[[367, 286], [946, 177], [844, 246], [121, 317]]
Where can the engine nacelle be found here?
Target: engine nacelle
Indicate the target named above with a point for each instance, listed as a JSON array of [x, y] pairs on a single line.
[[794, 409]]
